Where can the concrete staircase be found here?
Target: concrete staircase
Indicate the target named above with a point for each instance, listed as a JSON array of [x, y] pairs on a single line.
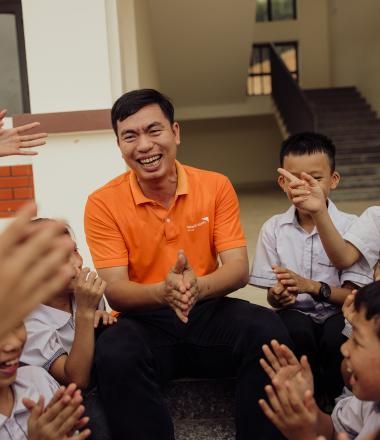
[[346, 117], [202, 409]]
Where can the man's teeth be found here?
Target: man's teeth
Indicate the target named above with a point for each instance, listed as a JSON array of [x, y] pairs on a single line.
[[150, 161]]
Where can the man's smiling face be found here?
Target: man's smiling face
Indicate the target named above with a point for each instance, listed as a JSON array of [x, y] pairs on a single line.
[[148, 143]]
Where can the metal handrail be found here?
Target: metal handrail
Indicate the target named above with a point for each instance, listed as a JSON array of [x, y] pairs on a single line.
[[289, 98]]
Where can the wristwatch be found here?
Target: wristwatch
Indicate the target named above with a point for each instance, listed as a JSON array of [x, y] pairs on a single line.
[[324, 292]]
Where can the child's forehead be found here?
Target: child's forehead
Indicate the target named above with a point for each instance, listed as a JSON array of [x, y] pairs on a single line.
[[315, 161], [364, 327]]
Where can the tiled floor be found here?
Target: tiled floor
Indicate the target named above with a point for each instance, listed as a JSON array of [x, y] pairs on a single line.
[[256, 207]]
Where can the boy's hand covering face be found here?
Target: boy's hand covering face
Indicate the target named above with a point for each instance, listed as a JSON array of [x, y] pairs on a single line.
[[306, 193], [34, 265]]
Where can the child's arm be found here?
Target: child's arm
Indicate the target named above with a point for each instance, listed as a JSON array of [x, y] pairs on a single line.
[[60, 419], [307, 195], [295, 284], [76, 367]]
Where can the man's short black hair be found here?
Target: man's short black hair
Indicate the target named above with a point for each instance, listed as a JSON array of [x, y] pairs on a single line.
[[308, 143], [369, 297], [131, 102]]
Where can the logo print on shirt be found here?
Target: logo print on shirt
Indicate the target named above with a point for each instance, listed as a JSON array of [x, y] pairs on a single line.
[[204, 220]]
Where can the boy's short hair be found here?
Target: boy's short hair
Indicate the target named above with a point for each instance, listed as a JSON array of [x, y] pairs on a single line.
[[68, 229], [131, 102], [308, 143], [369, 297]]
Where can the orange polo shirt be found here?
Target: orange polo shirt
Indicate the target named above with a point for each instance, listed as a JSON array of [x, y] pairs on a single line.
[[125, 228]]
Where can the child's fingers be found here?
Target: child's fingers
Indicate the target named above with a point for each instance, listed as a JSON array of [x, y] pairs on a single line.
[[278, 352], [289, 176], [294, 399], [35, 407], [267, 368], [69, 418], [271, 358], [82, 422], [83, 435], [97, 319], [270, 414], [56, 409], [57, 396], [273, 399], [287, 353], [102, 286]]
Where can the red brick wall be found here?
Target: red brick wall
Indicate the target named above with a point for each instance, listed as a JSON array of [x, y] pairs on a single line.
[[16, 188]]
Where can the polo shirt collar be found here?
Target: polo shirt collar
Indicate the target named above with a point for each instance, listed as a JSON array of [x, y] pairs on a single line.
[[140, 198], [289, 217]]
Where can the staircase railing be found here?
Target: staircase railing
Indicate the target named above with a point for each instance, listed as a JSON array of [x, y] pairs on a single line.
[[289, 97]]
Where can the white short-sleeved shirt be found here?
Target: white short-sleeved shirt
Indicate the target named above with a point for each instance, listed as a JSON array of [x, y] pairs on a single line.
[[31, 382], [356, 418], [50, 335], [282, 242], [364, 234]]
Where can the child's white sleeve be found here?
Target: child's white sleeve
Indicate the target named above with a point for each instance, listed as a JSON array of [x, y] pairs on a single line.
[[364, 234], [350, 416], [266, 257], [42, 346]]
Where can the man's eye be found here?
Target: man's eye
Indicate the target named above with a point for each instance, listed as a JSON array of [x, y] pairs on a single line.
[[155, 132], [129, 138]]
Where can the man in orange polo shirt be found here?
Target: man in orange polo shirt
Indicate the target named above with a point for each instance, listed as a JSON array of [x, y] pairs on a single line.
[[155, 235]]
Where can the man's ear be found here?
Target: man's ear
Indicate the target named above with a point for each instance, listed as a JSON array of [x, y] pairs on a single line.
[[335, 179], [176, 131], [281, 182]]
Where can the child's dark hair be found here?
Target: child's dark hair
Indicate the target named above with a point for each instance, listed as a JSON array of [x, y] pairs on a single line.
[[308, 143], [131, 102], [68, 230], [369, 297]]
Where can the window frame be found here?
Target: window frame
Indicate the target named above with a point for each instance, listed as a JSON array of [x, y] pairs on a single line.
[[270, 13], [296, 72], [14, 7]]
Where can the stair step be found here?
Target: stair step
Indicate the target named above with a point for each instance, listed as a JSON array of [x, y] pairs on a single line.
[[207, 429], [332, 91], [341, 194], [202, 409], [201, 398]]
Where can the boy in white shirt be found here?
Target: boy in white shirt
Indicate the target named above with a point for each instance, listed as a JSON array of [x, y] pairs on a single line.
[[26, 389], [363, 237], [292, 407], [303, 285]]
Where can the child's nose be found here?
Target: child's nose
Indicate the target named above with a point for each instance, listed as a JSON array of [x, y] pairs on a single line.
[[344, 349]]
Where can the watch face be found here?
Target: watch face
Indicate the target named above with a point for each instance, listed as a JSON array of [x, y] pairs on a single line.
[[325, 291]]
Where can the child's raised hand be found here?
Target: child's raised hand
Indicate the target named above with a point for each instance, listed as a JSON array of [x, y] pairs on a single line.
[[348, 307], [89, 289], [60, 418], [305, 193], [104, 317], [295, 417], [281, 364]]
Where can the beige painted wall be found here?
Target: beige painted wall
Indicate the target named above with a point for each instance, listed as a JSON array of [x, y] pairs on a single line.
[[312, 33], [147, 63], [245, 149], [355, 46]]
